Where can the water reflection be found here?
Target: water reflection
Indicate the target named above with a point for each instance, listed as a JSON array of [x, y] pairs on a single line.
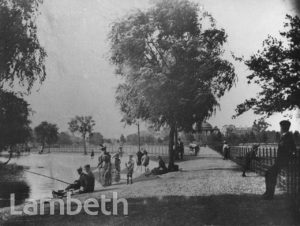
[[57, 165]]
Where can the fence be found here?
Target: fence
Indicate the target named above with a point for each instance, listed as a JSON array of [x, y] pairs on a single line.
[[127, 149], [288, 179]]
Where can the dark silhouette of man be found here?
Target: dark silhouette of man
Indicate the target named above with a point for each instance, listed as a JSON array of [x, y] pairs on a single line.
[[89, 180], [286, 148], [180, 149]]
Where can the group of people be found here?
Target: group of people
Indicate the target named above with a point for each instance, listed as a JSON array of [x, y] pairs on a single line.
[[285, 151], [86, 181], [142, 160], [107, 168], [84, 184]]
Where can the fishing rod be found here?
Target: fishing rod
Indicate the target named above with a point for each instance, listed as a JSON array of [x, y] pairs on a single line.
[[47, 177]]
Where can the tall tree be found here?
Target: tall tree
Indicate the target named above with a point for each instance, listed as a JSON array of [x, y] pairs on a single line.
[[276, 69], [84, 126], [64, 138], [172, 66], [46, 133], [96, 138], [14, 122], [122, 139], [21, 55], [260, 126]]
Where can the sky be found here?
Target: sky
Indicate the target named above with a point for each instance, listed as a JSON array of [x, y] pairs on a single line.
[[81, 81]]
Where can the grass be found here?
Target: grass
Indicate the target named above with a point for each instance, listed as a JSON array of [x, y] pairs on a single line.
[[181, 210]]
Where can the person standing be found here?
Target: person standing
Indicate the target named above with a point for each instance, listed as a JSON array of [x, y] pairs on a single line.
[[117, 166], [92, 154], [226, 150], [145, 160], [120, 151], [104, 166], [180, 148], [286, 149], [130, 167], [139, 156]]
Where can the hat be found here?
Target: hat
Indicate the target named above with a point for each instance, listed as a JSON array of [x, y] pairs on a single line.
[[285, 123]]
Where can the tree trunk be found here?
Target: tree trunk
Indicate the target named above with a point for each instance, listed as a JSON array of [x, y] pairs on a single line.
[[10, 155], [171, 144], [84, 145], [176, 144], [139, 135]]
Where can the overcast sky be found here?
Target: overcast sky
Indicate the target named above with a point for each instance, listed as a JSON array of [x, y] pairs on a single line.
[[80, 80]]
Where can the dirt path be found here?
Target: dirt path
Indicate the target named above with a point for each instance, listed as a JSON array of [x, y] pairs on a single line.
[[207, 190]]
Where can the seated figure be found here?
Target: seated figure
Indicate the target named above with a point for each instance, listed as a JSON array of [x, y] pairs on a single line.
[[81, 182]]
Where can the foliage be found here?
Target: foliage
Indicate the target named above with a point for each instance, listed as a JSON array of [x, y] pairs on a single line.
[[46, 133], [21, 55], [260, 126], [96, 138], [122, 139], [171, 65], [82, 125], [189, 137], [276, 70], [144, 139], [14, 122], [64, 139]]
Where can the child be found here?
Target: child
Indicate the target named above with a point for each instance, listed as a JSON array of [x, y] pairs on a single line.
[[117, 167], [130, 167], [145, 160]]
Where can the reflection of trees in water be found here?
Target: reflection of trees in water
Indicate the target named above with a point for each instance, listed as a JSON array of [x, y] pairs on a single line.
[[12, 182]]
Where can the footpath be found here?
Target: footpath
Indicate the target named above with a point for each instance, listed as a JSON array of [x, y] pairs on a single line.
[[206, 191]]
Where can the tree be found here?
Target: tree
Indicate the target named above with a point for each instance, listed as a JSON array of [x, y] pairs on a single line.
[[14, 122], [276, 70], [84, 126], [96, 138], [260, 126], [297, 137], [21, 55], [64, 138], [172, 66], [46, 133], [122, 139]]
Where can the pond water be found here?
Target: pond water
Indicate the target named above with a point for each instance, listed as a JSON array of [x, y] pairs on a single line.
[[57, 165]]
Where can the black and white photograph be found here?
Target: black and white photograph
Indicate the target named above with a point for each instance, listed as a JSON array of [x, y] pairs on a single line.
[[149, 112]]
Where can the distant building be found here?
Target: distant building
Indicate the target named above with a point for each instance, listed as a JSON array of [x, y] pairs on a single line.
[[204, 131]]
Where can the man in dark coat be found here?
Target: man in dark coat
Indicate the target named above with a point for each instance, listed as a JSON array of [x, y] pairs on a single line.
[[80, 183], [89, 180], [286, 149], [180, 149]]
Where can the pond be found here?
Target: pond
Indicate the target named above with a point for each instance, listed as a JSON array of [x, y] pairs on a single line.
[[57, 165]]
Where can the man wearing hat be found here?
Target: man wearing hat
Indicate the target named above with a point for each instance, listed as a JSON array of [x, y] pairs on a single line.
[[286, 148], [80, 183], [225, 150], [89, 180]]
